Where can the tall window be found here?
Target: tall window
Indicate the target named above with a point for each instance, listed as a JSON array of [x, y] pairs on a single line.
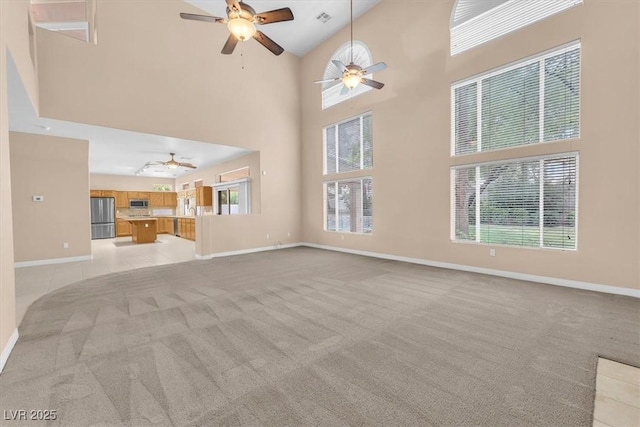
[[526, 202], [349, 145], [526, 103], [331, 91], [349, 205]]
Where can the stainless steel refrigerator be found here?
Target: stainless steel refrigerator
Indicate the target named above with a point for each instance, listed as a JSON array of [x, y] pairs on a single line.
[[103, 218]]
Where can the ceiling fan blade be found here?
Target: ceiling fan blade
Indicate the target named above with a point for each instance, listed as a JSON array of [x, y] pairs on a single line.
[[328, 80], [205, 18], [187, 165], [344, 91], [265, 41], [234, 5], [339, 64], [230, 45], [278, 15], [374, 68], [372, 83]]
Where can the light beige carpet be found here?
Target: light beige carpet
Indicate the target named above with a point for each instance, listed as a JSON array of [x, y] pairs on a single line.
[[310, 337]]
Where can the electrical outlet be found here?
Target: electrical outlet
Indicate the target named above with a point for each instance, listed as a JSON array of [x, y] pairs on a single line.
[[267, 236], [492, 252], [65, 245]]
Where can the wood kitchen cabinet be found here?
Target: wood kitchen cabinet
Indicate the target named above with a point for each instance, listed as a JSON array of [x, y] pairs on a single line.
[[123, 227], [156, 200], [138, 195], [170, 199], [101, 193], [160, 226], [161, 199], [191, 233], [187, 228], [122, 200], [168, 226], [165, 225], [204, 196]]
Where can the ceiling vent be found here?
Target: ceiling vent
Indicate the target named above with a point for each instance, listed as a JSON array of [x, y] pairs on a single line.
[[323, 17]]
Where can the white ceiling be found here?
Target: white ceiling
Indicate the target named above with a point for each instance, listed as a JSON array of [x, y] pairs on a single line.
[[121, 152], [307, 31]]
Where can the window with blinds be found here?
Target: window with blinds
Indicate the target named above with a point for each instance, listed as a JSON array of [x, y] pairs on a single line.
[[476, 22], [348, 145], [525, 103], [526, 202], [348, 205]]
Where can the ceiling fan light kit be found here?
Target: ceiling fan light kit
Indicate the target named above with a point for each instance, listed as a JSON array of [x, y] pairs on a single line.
[[351, 79], [241, 23], [353, 74], [241, 28]]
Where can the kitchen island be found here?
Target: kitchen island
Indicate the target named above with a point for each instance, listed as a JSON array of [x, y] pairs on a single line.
[[143, 230]]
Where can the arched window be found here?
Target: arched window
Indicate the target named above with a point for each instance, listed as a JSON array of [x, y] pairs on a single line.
[[331, 91], [474, 22]]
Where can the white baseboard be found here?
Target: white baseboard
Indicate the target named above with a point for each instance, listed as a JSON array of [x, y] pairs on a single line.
[[6, 351], [501, 273], [53, 261], [248, 251]]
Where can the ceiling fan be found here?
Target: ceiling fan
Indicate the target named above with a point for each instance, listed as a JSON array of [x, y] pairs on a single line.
[[241, 22], [353, 74], [172, 164]]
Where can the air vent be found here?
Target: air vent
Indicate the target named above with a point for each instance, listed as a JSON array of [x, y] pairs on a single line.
[[323, 17]]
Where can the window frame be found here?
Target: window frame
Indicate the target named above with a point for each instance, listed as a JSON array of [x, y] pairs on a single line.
[[541, 158], [361, 116], [478, 78]]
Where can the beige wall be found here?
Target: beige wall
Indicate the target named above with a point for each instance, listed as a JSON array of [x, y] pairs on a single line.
[[14, 38], [164, 75], [41, 228], [210, 176], [125, 183], [411, 125]]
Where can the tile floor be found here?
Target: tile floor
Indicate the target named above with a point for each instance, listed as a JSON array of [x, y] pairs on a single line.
[[617, 402], [109, 255], [617, 395]]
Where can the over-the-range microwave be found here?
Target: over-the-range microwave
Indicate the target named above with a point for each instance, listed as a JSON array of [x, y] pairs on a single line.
[[138, 204]]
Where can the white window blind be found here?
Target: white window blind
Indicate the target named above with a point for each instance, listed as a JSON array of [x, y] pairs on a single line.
[[331, 91], [349, 145], [476, 22], [348, 205], [526, 202], [525, 103]]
